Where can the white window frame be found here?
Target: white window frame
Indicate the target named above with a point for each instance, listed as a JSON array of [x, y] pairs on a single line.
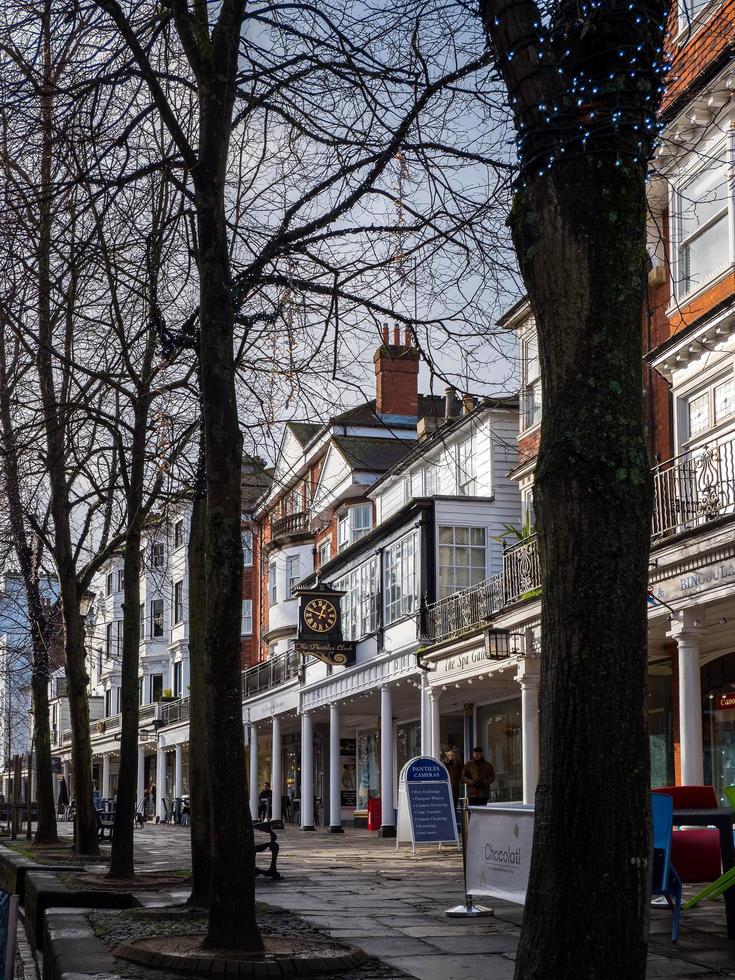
[[358, 531], [293, 573], [343, 531], [400, 590], [531, 393], [272, 584], [158, 554], [465, 462], [246, 625], [325, 551], [179, 534], [449, 549], [108, 641], [120, 579], [178, 678], [722, 151], [247, 548], [157, 604], [177, 606], [723, 373], [141, 623], [689, 24], [109, 583], [360, 601]]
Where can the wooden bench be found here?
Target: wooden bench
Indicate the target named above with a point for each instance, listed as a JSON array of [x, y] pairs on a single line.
[[268, 827]]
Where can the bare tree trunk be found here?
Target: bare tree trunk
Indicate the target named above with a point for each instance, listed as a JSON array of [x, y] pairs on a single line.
[[76, 671], [578, 225], [201, 858], [232, 921]]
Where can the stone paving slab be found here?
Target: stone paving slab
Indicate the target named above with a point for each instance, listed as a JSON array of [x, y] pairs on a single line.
[[359, 889]]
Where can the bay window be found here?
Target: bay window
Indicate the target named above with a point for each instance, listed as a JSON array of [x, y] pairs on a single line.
[[709, 407], [360, 601], [399, 579], [293, 573], [462, 558], [703, 228], [272, 584]]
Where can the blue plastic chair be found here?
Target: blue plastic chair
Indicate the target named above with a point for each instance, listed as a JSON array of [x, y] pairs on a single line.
[[666, 880]]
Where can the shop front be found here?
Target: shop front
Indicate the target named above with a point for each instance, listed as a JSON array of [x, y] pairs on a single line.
[[499, 731], [718, 723]]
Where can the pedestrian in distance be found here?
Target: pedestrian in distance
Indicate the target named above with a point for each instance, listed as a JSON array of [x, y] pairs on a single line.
[[478, 776], [453, 763]]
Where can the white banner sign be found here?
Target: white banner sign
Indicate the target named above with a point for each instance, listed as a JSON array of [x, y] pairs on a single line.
[[499, 851]]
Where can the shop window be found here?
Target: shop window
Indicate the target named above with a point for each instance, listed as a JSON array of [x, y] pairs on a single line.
[[408, 743], [368, 768], [400, 579], [462, 558], [660, 724], [702, 227], [500, 733], [156, 618]]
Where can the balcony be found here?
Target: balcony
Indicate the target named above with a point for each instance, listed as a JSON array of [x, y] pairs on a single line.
[[175, 712], [472, 609], [290, 525], [270, 673], [694, 488]]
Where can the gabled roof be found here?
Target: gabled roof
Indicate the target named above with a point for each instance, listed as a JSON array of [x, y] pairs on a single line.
[[373, 454], [305, 431]]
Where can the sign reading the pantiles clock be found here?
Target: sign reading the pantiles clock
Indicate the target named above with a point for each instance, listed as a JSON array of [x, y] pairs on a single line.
[[320, 627]]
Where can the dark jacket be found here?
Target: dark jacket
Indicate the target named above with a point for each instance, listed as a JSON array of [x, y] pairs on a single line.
[[454, 768], [478, 777]]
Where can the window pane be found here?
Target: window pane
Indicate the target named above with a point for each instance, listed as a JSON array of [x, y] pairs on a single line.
[[699, 414], [701, 199], [704, 255], [724, 399], [462, 535], [477, 536]]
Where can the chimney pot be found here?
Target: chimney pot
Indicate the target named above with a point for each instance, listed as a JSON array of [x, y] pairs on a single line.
[[397, 336], [468, 404], [386, 334], [407, 337], [451, 407]]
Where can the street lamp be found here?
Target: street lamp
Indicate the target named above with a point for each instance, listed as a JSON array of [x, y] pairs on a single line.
[[85, 603], [497, 644]]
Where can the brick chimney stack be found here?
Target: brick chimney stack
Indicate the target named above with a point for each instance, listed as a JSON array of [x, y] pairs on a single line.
[[396, 375]]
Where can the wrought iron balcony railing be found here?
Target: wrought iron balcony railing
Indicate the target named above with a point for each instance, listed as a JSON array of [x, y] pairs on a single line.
[[271, 672], [471, 609], [290, 524], [694, 488]]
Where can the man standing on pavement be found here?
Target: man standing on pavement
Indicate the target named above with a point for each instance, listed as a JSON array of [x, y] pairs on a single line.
[[478, 775], [454, 767]]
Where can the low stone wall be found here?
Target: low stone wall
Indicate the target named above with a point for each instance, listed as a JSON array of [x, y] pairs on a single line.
[[14, 868], [71, 948], [44, 890]]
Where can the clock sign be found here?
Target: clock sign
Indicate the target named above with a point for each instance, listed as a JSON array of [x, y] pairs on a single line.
[[320, 615], [320, 626]]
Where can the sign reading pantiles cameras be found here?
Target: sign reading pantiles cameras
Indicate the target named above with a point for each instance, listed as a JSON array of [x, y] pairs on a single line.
[[425, 806], [499, 851]]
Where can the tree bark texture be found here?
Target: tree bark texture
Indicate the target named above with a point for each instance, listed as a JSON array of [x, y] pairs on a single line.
[[40, 617], [578, 225], [201, 861], [54, 417]]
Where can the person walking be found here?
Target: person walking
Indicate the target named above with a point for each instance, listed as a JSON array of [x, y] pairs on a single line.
[[478, 775], [454, 766]]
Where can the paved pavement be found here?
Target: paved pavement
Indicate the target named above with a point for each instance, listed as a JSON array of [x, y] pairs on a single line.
[[357, 888]]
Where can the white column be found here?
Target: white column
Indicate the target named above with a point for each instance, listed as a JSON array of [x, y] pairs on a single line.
[[178, 774], [528, 677], [140, 789], [6, 788], [276, 770], [160, 781], [66, 769], [253, 736], [690, 700], [388, 820], [425, 716], [307, 772], [436, 749], [105, 791], [335, 773]]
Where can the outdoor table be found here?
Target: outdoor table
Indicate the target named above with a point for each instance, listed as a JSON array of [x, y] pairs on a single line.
[[723, 818]]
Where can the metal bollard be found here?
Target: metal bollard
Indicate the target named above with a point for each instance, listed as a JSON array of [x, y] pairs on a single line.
[[469, 909]]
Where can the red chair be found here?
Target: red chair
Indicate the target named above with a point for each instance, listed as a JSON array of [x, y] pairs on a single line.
[[695, 853]]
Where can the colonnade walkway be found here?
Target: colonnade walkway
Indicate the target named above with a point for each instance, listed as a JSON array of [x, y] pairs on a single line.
[[357, 888]]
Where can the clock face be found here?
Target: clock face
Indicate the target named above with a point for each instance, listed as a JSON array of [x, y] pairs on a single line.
[[320, 615]]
